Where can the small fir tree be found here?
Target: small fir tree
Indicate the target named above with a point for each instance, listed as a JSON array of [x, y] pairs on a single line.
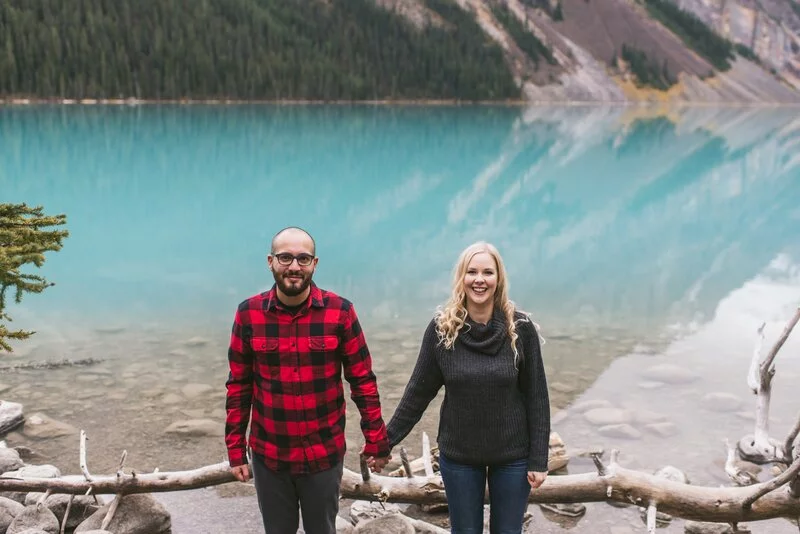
[[26, 233]]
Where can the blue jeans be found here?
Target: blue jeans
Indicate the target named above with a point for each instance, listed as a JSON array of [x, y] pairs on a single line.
[[465, 487]]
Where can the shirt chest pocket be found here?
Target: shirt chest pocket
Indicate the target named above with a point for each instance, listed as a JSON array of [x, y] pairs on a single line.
[[264, 344], [323, 353], [323, 343], [267, 359]]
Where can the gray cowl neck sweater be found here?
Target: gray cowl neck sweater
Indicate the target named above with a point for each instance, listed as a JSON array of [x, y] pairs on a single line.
[[493, 412]]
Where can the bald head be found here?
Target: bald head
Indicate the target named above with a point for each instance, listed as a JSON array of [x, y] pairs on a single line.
[[293, 237]]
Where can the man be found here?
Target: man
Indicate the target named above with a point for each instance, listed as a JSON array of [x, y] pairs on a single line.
[[288, 348]]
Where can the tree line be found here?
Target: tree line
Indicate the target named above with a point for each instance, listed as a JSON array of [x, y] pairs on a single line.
[[244, 49], [648, 72], [695, 33], [525, 39]]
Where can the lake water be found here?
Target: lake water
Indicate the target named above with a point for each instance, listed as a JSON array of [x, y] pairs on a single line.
[[635, 239]]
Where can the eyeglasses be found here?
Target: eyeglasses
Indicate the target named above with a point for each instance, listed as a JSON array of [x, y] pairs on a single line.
[[303, 260]]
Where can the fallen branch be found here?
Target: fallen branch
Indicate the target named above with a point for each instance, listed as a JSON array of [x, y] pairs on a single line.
[[759, 447], [406, 464], [739, 476], [111, 511], [724, 505], [780, 480], [426, 455], [788, 446], [66, 515], [82, 458]]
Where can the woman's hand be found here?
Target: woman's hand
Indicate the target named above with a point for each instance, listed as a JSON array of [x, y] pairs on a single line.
[[536, 479]]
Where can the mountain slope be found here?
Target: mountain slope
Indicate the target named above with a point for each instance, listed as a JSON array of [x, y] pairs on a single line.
[[590, 37], [771, 28]]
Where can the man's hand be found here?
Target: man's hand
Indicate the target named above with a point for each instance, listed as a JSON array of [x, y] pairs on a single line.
[[536, 479], [241, 472], [375, 464]]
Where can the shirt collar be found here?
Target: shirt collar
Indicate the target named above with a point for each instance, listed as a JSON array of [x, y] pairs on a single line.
[[271, 297]]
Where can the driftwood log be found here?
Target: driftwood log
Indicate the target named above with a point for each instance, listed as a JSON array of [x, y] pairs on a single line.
[[759, 447], [615, 483]]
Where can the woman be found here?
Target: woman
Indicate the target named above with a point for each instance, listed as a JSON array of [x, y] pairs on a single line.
[[495, 417]]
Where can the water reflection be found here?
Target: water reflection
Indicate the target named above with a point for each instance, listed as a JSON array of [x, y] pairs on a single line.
[[627, 235]]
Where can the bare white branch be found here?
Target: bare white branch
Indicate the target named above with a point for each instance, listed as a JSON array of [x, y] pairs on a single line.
[[752, 373], [84, 467], [111, 511], [426, 454], [66, 514]]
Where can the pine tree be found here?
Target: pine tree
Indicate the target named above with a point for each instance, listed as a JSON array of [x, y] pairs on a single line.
[[25, 236]]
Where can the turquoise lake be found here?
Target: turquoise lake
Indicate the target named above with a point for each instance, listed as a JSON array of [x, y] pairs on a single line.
[[634, 238]]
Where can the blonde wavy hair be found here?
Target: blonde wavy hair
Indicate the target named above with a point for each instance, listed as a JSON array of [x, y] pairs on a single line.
[[451, 316]]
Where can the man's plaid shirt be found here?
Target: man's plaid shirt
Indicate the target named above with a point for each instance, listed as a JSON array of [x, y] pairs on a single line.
[[288, 368]]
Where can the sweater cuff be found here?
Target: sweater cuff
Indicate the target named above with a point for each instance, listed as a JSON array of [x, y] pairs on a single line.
[[538, 465]]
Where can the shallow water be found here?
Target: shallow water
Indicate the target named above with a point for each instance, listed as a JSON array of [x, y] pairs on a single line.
[[635, 241]]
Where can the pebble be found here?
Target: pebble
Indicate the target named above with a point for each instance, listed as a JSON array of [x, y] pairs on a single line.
[[669, 374], [192, 391], [608, 416], [585, 406], [722, 402], [623, 431], [664, 430]]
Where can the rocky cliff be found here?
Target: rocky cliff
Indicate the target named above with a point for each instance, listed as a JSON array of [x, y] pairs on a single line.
[[589, 40]]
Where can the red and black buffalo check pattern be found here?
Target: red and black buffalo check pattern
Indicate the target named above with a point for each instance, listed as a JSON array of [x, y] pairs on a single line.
[[288, 368]]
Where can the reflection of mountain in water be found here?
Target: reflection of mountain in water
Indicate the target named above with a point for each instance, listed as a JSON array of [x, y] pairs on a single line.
[[614, 221]]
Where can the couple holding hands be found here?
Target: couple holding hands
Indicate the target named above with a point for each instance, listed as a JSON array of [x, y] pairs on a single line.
[[290, 346]]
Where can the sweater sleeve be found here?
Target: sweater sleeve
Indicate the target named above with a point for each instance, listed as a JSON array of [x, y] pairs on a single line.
[[424, 384], [534, 386]]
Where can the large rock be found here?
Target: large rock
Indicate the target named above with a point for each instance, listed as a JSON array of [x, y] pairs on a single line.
[[35, 471], [34, 517], [16, 496], [82, 507], [10, 416], [343, 526], [9, 509], [40, 426], [9, 460], [696, 527], [136, 514], [389, 524], [361, 511]]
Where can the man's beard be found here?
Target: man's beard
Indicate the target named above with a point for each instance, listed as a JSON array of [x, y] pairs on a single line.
[[288, 288]]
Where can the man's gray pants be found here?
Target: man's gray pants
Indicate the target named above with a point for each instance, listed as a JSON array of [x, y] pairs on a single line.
[[281, 497]]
